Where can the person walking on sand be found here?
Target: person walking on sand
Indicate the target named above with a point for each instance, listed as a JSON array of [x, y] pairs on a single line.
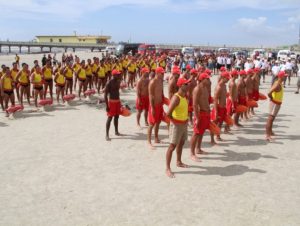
[[142, 100], [178, 113], [276, 96], [156, 96], [113, 103]]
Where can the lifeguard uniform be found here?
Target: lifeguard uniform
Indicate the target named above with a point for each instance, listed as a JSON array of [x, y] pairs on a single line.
[[37, 81], [48, 74], [69, 74], [178, 129], [60, 80], [158, 114], [222, 114], [8, 85], [276, 102], [24, 79], [82, 75]]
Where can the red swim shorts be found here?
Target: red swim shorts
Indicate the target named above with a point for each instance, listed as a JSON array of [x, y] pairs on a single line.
[[204, 123], [158, 108], [242, 100], [191, 105], [142, 103], [255, 95], [230, 107], [114, 108], [222, 113]]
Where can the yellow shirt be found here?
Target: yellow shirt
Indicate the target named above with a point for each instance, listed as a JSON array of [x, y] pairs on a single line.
[[88, 70], [69, 73], [14, 74], [76, 67], [277, 96], [60, 79], [48, 73], [37, 81], [132, 67], [101, 72], [180, 112], [7, 83], [82, 74], [94, 67], [124, 64], [23, 79]]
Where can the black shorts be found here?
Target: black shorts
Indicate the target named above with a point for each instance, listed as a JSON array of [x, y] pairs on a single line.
[[49, 80], [9, 92], [39, 88], [70, 79]]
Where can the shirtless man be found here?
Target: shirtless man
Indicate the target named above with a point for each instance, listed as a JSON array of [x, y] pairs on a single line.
[[242, 96], [173, 88], [202, 114], [220, 111], [256, 80], [276, 96], [156, 104], [232, 99], [192, 85], [249, 89], [142, 101], [113, 103], [178, 113]]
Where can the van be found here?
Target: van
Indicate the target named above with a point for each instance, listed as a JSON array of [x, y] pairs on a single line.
[[146, 49], [110, 50], [188, 51], [258, 53], [125, 48], [283, 54]]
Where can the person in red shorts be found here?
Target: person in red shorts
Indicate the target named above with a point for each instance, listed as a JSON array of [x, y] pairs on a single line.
[[142, 100], [202, 114], [255, 80], [242, 97], [232, 99], [193, 84], [219, 111], [113, 104], [156, 111], [249, 88]]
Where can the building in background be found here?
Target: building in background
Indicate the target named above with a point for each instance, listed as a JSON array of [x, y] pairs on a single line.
[[75, 39]]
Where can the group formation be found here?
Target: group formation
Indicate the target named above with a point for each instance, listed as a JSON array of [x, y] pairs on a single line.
[[191, 102]]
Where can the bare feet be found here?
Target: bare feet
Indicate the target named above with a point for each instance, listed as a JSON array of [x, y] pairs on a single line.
[[107, 138], [219, 138], [151, 146], [238, 125], [182, 165], [272, 133], [170, 173], [195, 158], [118, 134], [213, 143], [269, 138], [201, 152], [157, 141], [139, 127]]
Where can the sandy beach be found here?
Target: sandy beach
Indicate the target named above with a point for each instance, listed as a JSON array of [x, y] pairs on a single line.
[[57, 169]]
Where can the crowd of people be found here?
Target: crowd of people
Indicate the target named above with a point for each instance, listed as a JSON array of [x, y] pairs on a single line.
[[191, 100]]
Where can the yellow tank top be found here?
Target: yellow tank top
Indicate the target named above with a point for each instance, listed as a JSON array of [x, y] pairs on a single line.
[[14, 74], [82, 74], [131, 67], [124, 64], [23, 79], [7, 83], [88, 70], [94, 68], [48, 73], [278, 96], [77, 67], [153, 66], [60, 79], [162, 63], [37, 79], [180, 112], [69, 73], [101, 72]]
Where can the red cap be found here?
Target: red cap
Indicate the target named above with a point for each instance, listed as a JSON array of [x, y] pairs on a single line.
[[176, 67], [234, 73], [242, 72], [223, 69], [225, 74], [176, 71], [115, 72], [207, 71], [182, 81], [281, 74], [250, 72], [203, 76], [159, 70], [144, 70], [256, 70], [188, 66], [194, 71]]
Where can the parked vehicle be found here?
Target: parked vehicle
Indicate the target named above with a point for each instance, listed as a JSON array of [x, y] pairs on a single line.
[[125, 48], [110, 50], [283, 54], [146, 49], [188, 51]]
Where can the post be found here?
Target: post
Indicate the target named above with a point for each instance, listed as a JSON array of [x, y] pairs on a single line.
[[9, 49], [20, 49], [50, 48], [28, 49]]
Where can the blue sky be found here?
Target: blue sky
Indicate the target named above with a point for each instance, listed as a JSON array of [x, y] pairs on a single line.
[[213, 22]]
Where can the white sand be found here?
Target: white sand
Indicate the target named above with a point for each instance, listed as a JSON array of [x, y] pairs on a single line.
[[57, 169]]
